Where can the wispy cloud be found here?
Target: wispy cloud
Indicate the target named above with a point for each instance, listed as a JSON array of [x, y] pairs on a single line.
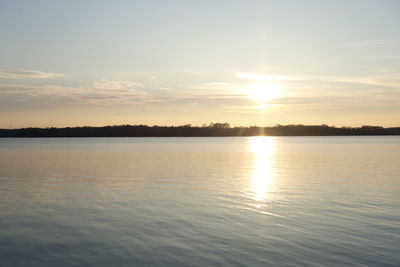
[[263, 77], [28, 74], [216, 86], [296, 89], [101, 96], [385, 80], [373, 43], [380, 79], [115, 85]]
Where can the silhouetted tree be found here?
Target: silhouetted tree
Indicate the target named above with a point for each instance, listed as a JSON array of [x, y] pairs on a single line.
[[213, 129]]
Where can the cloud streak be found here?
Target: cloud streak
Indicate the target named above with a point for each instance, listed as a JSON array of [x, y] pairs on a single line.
[[386, 79], [296, 89], [102, 96], [28, 74], [115, 85], [263, 77]]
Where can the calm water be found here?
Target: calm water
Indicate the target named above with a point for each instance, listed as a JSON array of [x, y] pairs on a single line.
[[283, 201]]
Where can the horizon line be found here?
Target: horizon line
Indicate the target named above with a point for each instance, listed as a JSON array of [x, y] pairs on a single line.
[[225, 125]]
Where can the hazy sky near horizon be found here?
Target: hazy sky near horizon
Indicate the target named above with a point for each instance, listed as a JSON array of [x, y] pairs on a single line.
[[69, 63]]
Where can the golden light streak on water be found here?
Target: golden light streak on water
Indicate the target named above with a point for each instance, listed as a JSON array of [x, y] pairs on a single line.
[[263, 148]]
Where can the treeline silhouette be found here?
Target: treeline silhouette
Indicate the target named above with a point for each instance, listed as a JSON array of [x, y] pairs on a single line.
[[213, 129]]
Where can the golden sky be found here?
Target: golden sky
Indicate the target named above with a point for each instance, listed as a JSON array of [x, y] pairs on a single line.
[[177, 62]]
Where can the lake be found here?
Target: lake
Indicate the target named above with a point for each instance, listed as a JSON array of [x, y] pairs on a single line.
[[225, 201]]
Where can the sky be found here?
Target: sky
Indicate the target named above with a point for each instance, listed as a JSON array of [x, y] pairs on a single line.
[[75, 63]]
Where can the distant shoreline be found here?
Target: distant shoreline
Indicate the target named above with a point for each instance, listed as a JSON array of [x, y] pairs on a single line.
[[213, 130]]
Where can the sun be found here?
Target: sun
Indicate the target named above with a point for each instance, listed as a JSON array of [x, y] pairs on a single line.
[[262, 92]]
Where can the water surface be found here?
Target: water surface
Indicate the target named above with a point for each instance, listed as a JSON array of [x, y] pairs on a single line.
[[234, 201]]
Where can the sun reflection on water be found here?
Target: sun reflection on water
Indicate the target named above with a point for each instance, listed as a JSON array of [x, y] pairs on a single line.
[[262, 148]]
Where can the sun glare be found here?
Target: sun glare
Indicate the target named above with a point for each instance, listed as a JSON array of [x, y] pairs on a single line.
[[262, 92]]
